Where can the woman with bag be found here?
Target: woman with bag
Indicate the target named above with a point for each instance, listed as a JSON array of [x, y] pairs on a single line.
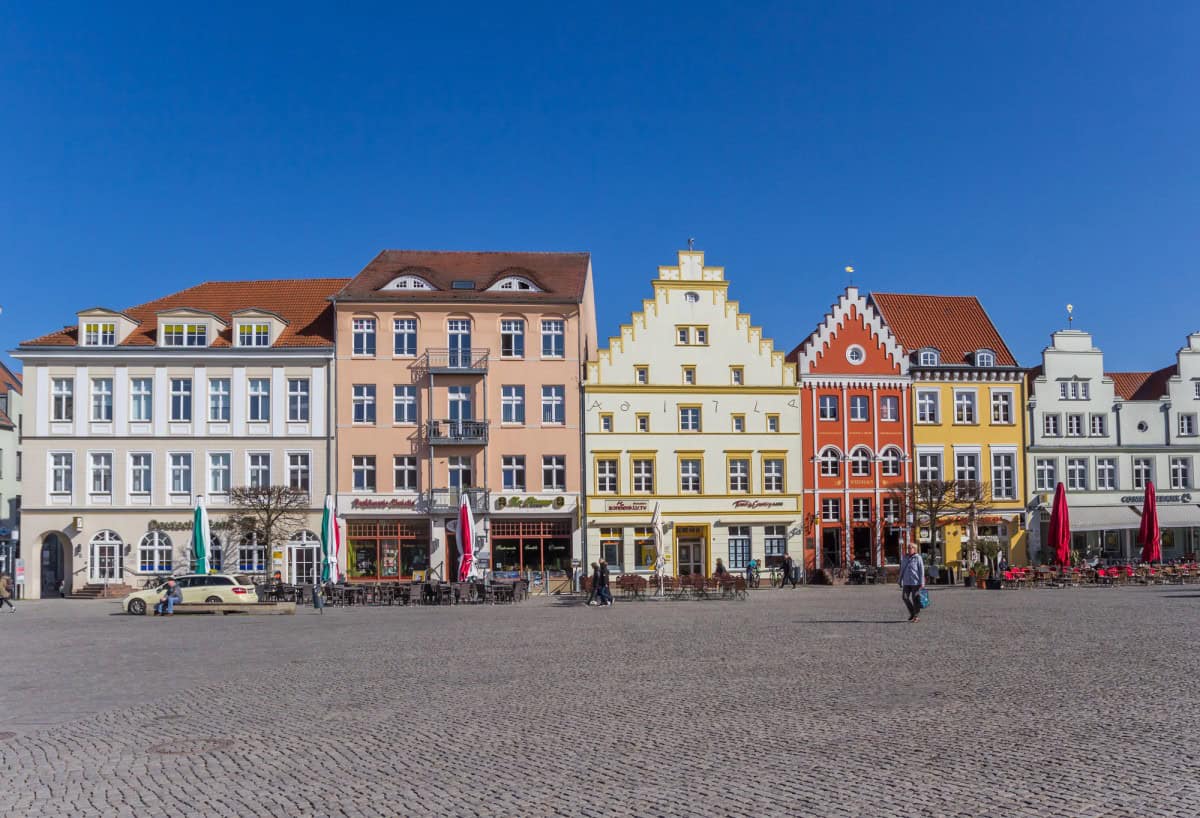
[[912, 581]]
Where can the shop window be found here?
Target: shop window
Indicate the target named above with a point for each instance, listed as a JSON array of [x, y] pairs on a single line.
[[645, 552]]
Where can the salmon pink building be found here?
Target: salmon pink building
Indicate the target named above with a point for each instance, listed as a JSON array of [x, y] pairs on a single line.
[[855, 436], [458, 374]]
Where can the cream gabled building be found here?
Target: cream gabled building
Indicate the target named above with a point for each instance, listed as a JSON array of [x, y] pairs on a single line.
[[691, 409]]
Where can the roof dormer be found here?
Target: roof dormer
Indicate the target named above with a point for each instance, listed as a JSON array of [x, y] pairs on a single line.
[[100, 327], [187, 327], [929, 356], [408, 281], [254, 327], [985, 358], [515, 283]]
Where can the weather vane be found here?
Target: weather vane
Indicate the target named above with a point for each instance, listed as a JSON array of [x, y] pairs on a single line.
[[1070, 317], [691, 244], [850, 272]]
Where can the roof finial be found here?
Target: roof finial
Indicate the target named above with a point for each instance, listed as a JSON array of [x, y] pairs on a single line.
[[1070, 317], [850, 273], [691, 244]]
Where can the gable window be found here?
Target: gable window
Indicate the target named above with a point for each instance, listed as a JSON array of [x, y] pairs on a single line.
[[1002, 407], [512, 472], [641, 374], [772, 423], [298, 400], [606, 422], [831, 463], [689, 375], [181, 399], [691, 336], [927, 357], [860, 407], [512, 404], [553, 338], [985, 357], [364, 336], [260, 400], [856, 355], [254, 335], [739, 423], [101, 334], [404, 403], [964, 407], [737, 375], [102, 400], [828, 405], [363, 402], [63, 393], [927, 406], [554, 405], [889, 408], [1074, 389], [643, 423], [512, 338], [218, 400], [689, 418], [404, 337]]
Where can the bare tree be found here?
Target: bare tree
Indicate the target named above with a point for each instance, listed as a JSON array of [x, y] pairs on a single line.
[[929, 502], [270, 513], [972, 498]]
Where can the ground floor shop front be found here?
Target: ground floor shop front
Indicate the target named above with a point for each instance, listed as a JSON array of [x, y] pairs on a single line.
[[1105, 528]]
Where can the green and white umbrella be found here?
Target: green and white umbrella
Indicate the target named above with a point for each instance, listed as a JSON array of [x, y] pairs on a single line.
[[330, 543], [201, 536]]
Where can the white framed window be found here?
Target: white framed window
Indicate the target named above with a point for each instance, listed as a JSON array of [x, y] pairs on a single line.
[[181, 472], [1074, 425], [404, 337], [606, 476], [737, 375], [554, 472], [1002, 407], [1099, 425], [363, 331], [404, 468], [460, 472], [739, 423], [141, 400], [102, 400], [641, 375], [258, 471], [774, 541], [643, 423], [827, 407], [1046, 473], [831, 462], [606, 423], [739, 476], [252, 554], [831, 509], [63, 394], [404, 403], [891, 510], [1181, 472], [856, 355], [181, 400], [889, 408], [739, 546], [512, 404], [928, 357], [220, 472], [512, 338], [861, 509], [363, 403], [1050, 426], [1004, 476], [1106, 474], [643, 476], [1187, 425], [860, 407], [1143, 472], [254, 335], [512, 472], [553, 338], [155, 553], [928, 406], [554, 409], [185, 335], [689, 375], [1074, 389], [62, 468], [101, 468], [260, 400], [689, 418], [891, 460], [1077, 474], [298, 400], [860, 462], [929, 467], [689, 476], [964, 407], [772, 475], [985, 357], [299, 471], [218, 400], [966, 473], [141, 473], [772, 423], [362, 467], [100, 334]]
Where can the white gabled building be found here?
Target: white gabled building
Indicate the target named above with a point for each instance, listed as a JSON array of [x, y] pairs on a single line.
[[692, 410], [1104, 435]]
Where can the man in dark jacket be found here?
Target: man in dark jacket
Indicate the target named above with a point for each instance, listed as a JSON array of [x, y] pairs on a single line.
[[595, 590], [172, 597], [605, 593], [789, 571]]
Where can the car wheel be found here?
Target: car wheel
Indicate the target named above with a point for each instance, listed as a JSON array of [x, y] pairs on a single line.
[[213, 599], [137, 607]]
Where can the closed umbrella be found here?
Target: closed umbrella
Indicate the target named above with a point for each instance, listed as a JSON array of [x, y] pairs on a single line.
[[330, 543], [1059, 540], [466, 539], [1149, 534], [200, 536]]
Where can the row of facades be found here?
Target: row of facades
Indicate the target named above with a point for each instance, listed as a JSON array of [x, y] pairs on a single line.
[[431, 375]]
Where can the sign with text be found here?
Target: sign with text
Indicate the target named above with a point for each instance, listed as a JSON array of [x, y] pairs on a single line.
[[522, 502], [391, 503]]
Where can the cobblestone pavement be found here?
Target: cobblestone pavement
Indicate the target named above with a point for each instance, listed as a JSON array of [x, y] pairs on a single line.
[[816, 702]]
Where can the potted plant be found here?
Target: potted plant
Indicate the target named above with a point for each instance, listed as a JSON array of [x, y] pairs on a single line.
[[981, 571]]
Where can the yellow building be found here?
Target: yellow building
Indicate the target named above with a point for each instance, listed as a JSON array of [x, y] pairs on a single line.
[[968, 421]]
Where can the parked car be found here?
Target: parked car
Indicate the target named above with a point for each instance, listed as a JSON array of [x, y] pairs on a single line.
[[224, 588]]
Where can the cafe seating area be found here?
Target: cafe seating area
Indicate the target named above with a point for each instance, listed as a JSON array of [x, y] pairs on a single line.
[[691, 586], [379, 594], [1106, 576]]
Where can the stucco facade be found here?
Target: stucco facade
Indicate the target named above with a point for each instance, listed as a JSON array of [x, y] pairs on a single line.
[[11, 423], [692, 411]]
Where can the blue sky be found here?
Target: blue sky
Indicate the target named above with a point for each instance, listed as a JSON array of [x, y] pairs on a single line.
[[1032, 154]]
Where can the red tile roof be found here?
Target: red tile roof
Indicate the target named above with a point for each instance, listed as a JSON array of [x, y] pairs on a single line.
[[561, 276], [1141, 385], [303, 303], [955, 325], [9, 382]]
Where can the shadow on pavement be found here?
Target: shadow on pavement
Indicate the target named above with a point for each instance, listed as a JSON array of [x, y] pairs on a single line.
[[849, 621]]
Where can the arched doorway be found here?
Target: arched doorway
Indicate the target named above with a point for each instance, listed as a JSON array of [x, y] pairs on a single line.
[[304, 558], [53, 565]]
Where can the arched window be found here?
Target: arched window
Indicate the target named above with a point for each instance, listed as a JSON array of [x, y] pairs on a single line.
[[891, 459], [985, 357], [860, 462], [516, 283], [154, 553], [252, 554], [407, 282], [305, 538], [831, 462], [215, 552], [928, 357]]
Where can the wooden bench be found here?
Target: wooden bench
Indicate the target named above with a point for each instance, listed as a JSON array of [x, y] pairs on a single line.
[[265, 608]]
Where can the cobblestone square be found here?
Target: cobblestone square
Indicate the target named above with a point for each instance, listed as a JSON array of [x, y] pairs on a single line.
[[818, 701]]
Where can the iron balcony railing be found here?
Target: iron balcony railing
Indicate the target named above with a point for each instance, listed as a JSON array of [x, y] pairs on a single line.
[[457, 432], [455, 361], [447, 501]]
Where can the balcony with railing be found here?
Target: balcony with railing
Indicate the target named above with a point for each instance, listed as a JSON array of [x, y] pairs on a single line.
[[457, 432], [447, 501], [454, 361]]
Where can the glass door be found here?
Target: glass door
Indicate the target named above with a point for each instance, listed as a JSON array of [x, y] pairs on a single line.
[[106, 561], [304, 564], [460, 409], [460, 343], [691, 556]]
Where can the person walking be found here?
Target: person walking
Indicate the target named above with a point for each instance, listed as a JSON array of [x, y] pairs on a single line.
[[720, 569], [605, 593], [595, 584], [912, 581], [6, 594], [789, 571]]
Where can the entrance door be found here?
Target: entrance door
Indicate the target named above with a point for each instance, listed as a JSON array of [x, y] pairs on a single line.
[[460, 343], [107, 558], [690, 555], [52, 565], [304, 564], [831, 548], [862, 546]]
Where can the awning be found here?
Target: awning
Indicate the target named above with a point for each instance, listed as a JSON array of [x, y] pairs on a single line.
[[1180, 516], [1097, 518]]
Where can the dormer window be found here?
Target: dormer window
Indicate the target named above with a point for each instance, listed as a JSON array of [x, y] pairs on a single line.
[[185, 335], [985, 357], [100, 334], [516, 283], [928, 357], [254, 335], [408, 282]]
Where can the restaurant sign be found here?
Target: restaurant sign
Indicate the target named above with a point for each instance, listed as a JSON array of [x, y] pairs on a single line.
[[185, 525], [514, 503], [627, 505], [758, 503], [1137, 499], [392, 503]]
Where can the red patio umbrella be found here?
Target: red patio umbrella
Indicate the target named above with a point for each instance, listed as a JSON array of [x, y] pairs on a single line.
[[1149, 535], [1059, 538]]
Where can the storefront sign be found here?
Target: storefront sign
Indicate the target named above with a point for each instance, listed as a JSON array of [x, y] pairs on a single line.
[[405, 503], [186, 525], [1137, 499], [556, 502], [758, 503], [20, 571], [626, 505]]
